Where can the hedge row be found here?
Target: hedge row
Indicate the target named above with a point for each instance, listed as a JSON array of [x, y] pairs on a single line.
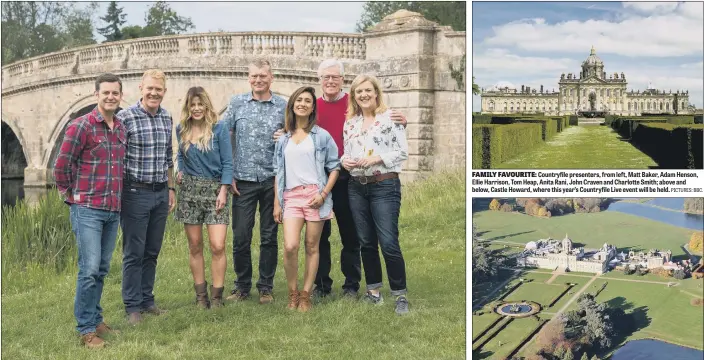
[[674, 119], [493, 144], [671, 146], [548, 126]]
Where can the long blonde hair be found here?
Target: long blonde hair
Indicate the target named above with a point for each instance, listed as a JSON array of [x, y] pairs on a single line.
[[353, 108], [210, 118]]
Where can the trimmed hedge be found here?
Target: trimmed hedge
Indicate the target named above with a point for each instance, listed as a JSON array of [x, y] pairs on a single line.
[[574, 120], [699, 119], [671, 146], [548, 126], [481, 119], [681, 120], [494, 144]]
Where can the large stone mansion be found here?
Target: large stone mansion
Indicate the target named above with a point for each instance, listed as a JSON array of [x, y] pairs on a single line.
[[555, 254], [590, 90]]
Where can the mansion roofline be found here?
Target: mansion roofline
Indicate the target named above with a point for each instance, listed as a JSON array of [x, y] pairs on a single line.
[[589, 90]]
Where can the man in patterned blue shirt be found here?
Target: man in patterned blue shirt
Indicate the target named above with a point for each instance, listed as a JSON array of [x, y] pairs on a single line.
[[148, 194], [253, 118]]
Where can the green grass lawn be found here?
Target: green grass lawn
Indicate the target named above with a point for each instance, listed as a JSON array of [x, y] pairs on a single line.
[[38, 322], [480, 322], [501, 345], [535, 290], [591, 230], [671, 316], [582, 147]]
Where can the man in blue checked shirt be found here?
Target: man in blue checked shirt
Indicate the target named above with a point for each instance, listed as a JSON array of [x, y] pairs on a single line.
[[253, 118], [148, 194]]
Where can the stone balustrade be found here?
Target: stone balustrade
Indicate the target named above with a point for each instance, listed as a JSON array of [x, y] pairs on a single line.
[[80, 60]]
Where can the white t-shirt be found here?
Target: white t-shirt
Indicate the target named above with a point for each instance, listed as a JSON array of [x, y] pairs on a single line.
[[300, 163]]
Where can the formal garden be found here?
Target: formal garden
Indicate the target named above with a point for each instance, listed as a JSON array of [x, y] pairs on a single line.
[[602, 313], [534, 141], [39, 281]]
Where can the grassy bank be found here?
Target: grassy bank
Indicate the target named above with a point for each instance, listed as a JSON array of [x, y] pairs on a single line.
[[38, 321]]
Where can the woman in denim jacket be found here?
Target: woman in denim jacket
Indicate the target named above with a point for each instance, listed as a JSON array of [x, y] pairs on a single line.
[[205, 174], [306, 165]]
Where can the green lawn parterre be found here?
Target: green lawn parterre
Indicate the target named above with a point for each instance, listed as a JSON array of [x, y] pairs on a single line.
[[38, 322], [671, 317], [582, 147]]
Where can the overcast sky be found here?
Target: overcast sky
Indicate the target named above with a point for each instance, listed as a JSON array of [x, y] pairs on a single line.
[[533, 43], [251, 16]]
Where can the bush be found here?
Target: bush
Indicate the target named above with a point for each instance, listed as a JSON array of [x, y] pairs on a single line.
[[695, 242], [494, 144], [662, 272], [697, 302], [679, 274], [574, 120], [506, 207]]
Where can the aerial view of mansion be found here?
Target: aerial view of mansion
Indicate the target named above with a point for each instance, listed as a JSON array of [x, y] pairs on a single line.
[[590, 90], [555, 254]]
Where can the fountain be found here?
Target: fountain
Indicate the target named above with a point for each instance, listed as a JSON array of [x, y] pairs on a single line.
[[518, 309]]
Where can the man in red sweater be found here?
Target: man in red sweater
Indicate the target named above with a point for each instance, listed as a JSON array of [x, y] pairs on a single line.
[[332, 107]]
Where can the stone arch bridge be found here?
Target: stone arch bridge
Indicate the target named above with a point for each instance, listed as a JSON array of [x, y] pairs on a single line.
[[410, 55]]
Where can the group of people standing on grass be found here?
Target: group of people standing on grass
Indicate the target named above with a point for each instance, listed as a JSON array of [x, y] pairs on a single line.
[[302, 162]]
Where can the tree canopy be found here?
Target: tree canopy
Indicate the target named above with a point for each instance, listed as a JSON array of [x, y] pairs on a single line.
[[451, 13], [35, 28], [114, 19]]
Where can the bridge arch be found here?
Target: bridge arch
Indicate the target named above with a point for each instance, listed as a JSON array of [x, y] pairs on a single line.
[[14, 151]]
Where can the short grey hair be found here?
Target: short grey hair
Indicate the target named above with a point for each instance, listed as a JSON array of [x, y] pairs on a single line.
[[326, 64]]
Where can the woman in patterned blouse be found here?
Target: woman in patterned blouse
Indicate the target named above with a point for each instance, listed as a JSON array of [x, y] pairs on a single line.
[[375, 148]]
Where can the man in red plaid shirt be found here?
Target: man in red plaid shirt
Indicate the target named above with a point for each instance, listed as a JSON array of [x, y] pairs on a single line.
[[88, 174]]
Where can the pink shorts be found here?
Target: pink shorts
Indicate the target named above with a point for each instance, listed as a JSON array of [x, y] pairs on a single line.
[[296, 203]]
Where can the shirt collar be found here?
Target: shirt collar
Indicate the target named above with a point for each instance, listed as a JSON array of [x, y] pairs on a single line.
[[99, 117], [250, 97], [314, 130], [339, 96], [140, 106]]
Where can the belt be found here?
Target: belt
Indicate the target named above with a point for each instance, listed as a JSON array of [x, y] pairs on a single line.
[[151, 186], [374, 178]]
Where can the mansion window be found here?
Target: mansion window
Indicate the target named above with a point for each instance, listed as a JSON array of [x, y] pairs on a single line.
[[491, 106], [601, 93], [629, 106], [667, 106], [660, 106], [682, 106], [608, 92]]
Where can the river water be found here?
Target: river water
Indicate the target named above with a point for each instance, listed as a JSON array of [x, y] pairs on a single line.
[[655, 350], [676, 218], [12, 189]]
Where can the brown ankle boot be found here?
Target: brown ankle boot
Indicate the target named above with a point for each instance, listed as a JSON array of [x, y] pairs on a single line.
[[216, 295], [304, 303], [202, 295], [92, 341], [293, 299]]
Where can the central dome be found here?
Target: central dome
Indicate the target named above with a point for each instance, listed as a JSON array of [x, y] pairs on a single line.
[[593, 59]]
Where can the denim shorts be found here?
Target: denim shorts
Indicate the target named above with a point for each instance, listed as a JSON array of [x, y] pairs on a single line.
[[196, 202]]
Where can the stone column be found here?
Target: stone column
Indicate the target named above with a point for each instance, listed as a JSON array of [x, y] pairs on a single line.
[[412, 57]]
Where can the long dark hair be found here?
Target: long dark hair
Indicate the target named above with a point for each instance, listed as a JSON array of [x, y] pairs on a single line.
[[290, 117]]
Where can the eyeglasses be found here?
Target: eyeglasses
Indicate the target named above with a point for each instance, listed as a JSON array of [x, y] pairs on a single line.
[[331, 77]]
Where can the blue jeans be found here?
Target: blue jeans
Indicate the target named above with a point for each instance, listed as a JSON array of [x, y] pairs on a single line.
[[95, 232], [144, 214], [375, 209]]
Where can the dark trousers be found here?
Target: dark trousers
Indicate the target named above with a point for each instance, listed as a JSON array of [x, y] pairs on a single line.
[[244, 208], [350, 260], [143, 220], [375, 209]]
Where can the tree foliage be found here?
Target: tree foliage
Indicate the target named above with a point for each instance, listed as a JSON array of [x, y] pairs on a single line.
[[114, 19], [695, 242], [161, 20], [494, 205], [451, 13], [35, 28], [679, 274], [485, 262], [694, 205], [475, 88]]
